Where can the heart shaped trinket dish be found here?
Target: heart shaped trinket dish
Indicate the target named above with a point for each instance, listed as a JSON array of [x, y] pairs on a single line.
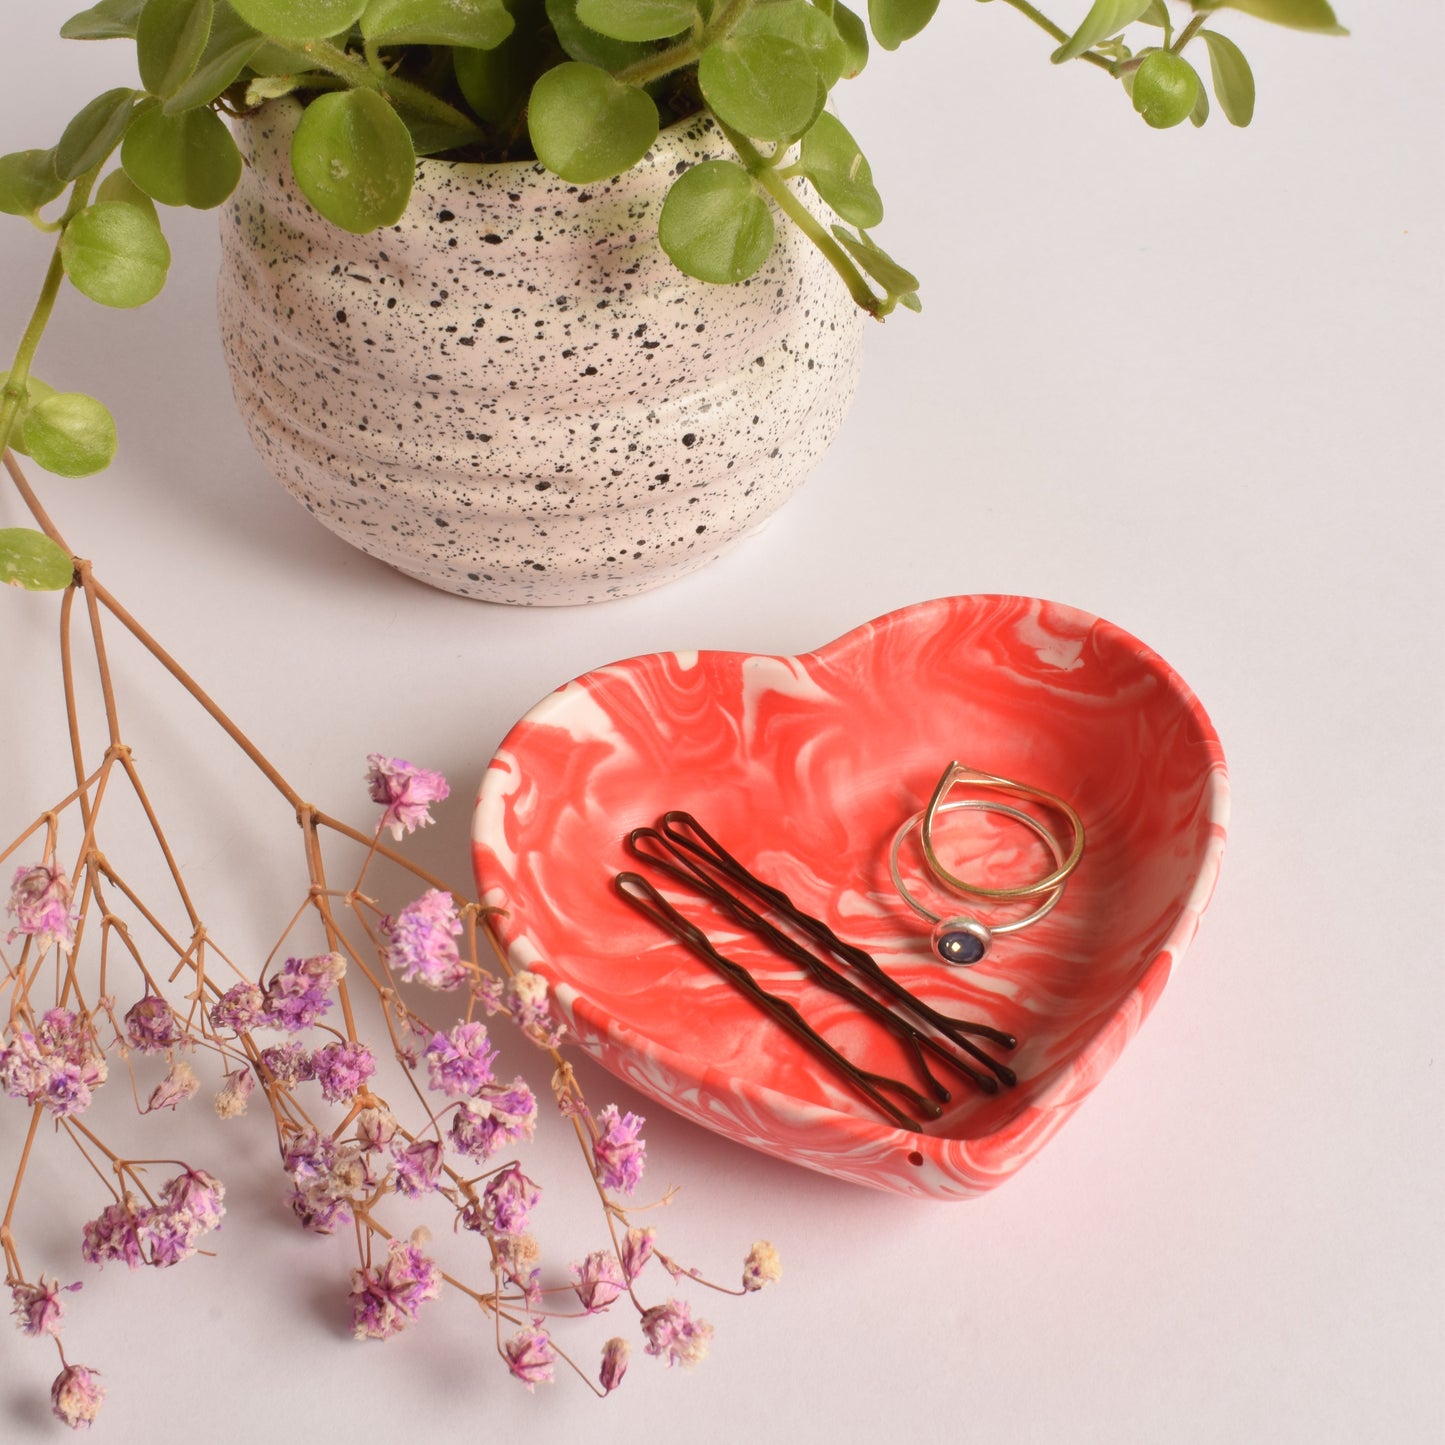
[[804, 768]]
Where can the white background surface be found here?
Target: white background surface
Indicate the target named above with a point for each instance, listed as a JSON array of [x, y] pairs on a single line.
[[1191, 382]]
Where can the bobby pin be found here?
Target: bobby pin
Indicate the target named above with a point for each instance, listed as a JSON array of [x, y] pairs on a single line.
[[641, 894], [676, 827], [685, 870]]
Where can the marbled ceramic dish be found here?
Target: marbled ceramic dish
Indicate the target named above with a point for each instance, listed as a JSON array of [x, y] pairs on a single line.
[[804, 767]]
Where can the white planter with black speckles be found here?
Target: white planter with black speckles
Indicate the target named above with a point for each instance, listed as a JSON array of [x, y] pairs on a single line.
[[512, 394]]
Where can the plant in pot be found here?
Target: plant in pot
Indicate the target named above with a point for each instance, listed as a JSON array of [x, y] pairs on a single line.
[[540, 301]]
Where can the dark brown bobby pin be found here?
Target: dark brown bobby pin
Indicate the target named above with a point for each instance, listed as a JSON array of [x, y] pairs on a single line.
[[641, 894], [685, 870], [701, 844]]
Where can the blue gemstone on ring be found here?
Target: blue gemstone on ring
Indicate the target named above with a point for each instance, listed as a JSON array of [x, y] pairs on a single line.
[[960, 946]]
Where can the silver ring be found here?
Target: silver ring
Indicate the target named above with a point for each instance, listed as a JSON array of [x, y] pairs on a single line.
[[961, 940]]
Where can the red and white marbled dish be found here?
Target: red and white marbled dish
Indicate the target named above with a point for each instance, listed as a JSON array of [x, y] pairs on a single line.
[[804, 767]]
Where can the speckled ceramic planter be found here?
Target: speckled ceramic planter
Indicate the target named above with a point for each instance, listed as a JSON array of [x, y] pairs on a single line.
[[512, 394]]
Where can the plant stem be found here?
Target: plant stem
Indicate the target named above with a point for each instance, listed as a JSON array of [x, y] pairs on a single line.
[[1189, 32], [14, 394], [35, 1113], [1044, 23], [778, 188], [359, 76], [686, 51]]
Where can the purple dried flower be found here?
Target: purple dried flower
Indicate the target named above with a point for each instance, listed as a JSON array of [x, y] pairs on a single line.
[[421, 941], [460, 1063], [375, 1129], [410, 1276], [490, 992], [234, 1094], [599, 1280], [167, 1235], [58, 1065], [520, 1258], [384, 1301], [405, 791], [65, 1090], [762, 1266], [373, 1316], [162, 1235], [342, 1068], [513, 1110], [239, 1008], [309, 1156], [530, 1356], [507, 1199], [113, 1235], [319, 1210], [40, 898], [151, 1026], [76, 1396], [289, 1064], [296, 996], [473, 1131], [500, 1116], [637, 1247], [38, 1307], [418, 1167], [199, 1195], [674, 1336], [618, 1151], [179, 1084], [23, 1069], [324, 1174], [530, 1003], [615, 1355]]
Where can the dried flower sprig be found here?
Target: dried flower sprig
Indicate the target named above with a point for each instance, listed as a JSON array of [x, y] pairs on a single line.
[[82, 1001]]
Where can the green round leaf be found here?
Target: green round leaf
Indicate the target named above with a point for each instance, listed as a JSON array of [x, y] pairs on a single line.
[[854, 34], [35, 391], [1233, 79], [182, 160], [479, 23], [1200, 113], [895, 279], [807, 27], [94, 132], [582, 42], [231, 45], [28, 181], [31, 560], [895, 21], [765, 87], [714, 224], [118, 186], [110, 20], [1166, 88], [1105, 18], [586, 126], [115, 254], [299, 19], [495, 82], [70, 434], [1297, 14], [637, 19], [169, 41], [353, 160], [832, 161]]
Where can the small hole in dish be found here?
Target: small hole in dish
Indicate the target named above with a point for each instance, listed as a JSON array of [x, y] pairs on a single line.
[[915, 1159]]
